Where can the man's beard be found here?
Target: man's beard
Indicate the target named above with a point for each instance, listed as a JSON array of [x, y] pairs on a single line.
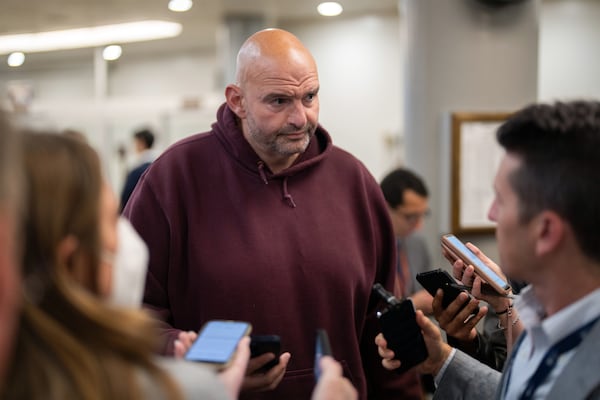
[[279, 144]]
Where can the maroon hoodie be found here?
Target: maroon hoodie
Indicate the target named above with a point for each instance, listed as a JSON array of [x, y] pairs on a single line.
[[289, 252]]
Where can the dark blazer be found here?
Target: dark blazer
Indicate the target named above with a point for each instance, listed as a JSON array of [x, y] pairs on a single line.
[[132, 178]]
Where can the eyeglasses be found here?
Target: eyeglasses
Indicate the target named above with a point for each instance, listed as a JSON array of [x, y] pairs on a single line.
[[413, 218]]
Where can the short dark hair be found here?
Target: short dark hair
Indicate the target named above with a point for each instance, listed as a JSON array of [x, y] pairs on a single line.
[[146, 136], [397, 182], [559, 146]]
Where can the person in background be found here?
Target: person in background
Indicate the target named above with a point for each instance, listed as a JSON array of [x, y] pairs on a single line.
[[263, 219], [144, 141], [11, 197], [407, 197], [547, 215]]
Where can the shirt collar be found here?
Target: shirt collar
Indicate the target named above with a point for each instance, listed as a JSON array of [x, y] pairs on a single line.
[[563, 322]]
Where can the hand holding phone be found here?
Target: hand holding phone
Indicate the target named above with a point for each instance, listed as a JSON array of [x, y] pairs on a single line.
[[261, 344], [458, 250], [217, 342], [400, 329], [441, 279]]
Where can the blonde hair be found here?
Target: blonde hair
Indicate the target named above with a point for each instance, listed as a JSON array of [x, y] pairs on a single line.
[[71, 343]]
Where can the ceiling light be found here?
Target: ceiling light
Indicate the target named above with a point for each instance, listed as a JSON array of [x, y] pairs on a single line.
[[330, 9], [89, 37], [16, 59], [112, 52], [180, 5]]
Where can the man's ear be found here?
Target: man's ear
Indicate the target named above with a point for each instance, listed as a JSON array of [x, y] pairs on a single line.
[[549, 229], [235, 100]]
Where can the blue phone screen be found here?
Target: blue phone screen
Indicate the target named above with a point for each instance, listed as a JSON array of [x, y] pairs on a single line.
[[477, 262], [217, 341]]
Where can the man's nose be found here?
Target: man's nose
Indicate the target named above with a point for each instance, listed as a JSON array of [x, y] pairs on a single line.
[[297, 116]]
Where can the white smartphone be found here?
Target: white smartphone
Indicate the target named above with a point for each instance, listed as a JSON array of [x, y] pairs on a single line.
[[217, 342], [458, 250]]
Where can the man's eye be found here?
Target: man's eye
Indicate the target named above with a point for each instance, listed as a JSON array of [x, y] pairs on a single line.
[[310, 98], [278, 101]]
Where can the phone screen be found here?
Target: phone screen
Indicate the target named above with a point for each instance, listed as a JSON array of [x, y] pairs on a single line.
[[217, 341], [476, 262]]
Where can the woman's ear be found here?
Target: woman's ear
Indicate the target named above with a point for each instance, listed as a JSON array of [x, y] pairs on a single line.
[[70, 261], [235, 100]]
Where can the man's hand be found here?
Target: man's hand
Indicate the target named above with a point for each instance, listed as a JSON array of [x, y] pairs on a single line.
[[466, 274], [437, 349], [184, 342], [455, 320], [256, 381]]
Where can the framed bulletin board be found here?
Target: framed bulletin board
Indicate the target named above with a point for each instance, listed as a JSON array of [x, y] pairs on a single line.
[[475, 158]]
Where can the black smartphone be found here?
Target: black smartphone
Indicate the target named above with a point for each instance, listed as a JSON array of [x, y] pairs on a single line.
[[322, 348], [261, 344], [441, 279], [401, 331], [460, 251], [217, 342]]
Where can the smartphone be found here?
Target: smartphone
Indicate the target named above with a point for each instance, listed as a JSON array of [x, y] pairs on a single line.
[[217, 342], [458, 250], [322, 348], [400, 329], [261, 344], [441, 279]]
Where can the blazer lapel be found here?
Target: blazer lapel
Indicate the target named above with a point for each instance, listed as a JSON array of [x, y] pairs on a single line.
[[580, 376]]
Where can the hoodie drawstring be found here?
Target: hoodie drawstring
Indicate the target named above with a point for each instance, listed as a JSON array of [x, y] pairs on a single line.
[[286, 195], [261, 172]]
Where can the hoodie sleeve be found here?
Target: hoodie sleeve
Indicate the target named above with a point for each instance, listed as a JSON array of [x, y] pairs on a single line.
[[148, 218]]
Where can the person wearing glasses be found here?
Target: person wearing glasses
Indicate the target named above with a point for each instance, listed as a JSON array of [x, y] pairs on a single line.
[[407, 198]]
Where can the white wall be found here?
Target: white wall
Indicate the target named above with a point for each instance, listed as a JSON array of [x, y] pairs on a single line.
[[141, 91], [179, 74], [569, 50], [361, 84]]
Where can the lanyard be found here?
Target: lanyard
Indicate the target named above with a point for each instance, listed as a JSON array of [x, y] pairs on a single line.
[[550, 359]]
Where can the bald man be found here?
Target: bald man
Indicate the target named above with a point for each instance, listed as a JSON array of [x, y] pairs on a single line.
[[263, 219], [10, 186]]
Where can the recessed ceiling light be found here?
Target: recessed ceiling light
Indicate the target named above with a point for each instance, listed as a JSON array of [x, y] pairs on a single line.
[[16, 59], [96, 36], [330, 9], [112, 52], [180, 5]]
